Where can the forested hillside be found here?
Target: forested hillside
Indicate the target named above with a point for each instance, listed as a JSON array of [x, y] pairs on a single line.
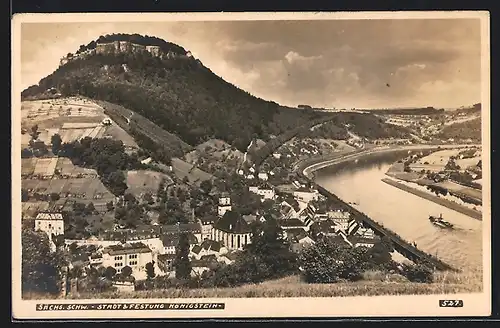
[[180, 95]]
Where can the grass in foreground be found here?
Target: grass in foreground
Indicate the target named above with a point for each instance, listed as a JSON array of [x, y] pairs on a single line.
[[374, 284]]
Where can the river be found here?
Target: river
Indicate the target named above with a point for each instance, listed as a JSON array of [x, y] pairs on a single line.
[[405, 213]]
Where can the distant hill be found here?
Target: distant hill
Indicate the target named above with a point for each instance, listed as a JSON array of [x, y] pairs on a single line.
[[173, 90], [476, 108], [407, 111], [364, 125], [462, 131]]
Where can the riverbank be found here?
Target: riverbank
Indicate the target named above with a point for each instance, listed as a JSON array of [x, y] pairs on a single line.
[[308, 167], [443, 202]]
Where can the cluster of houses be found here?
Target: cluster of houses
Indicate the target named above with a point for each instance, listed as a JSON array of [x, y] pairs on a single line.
[[116, 47], [212, 240], [252, 174]]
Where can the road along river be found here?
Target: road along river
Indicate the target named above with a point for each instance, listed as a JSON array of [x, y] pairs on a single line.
[[406, 214]]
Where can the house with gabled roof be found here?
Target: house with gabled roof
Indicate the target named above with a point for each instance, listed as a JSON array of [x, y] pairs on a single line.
[[207, 223], [170, 242], [52, 223], [208, 248], [229, 258]]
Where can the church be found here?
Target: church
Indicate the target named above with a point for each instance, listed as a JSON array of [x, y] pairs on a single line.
[[232, 230]]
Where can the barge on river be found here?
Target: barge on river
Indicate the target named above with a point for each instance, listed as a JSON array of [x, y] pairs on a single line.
[[440, 222]]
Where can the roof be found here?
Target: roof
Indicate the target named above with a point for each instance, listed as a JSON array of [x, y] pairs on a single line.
[[291, 223], [211, 245], [170, 239], [127, 248], [232, 222], [304, 189], [290, 233], [165, 257], [249, 218], [326, 226], [196, 249], [339, 215], [208, 219], [293, 203], [181, 227], [224, 195], [114, 235], [209, 258], [49, 216], [358, 239]]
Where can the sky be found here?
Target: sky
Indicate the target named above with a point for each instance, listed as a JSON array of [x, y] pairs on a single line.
[[322, 63]]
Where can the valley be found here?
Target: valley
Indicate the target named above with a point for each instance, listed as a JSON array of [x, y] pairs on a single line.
[[133, 147]]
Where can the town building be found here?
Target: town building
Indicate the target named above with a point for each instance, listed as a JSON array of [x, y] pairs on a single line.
[[291, 224], [207, 248], [171, 240], [207, 223], [289, 208], [340, 218], [232, 231], [134, 255], [124, 286], [306, 194], [198, 267], [357, 241], [224, 204], [263, 176], [194, 229], [52, 223], [166, 262], [229, 257], [265, 192], [357, 228]]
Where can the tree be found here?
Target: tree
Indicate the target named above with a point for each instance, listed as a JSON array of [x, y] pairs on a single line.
[[110, 273], [182, 262], [109, 206], [73, 248], [116, 183], [150, 270], [26, 153], [329, 260], [126, 271], [24, 195], [418, 273], [148, 198], [89, 208], [41, 268], [54, 196], [56, 142], [273, 250], [34, 132], [206, 186]]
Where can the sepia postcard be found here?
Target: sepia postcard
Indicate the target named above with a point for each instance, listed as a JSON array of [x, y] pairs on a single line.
[[251, 165]]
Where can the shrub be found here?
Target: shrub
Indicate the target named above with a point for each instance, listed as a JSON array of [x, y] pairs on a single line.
[[418, 273]]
